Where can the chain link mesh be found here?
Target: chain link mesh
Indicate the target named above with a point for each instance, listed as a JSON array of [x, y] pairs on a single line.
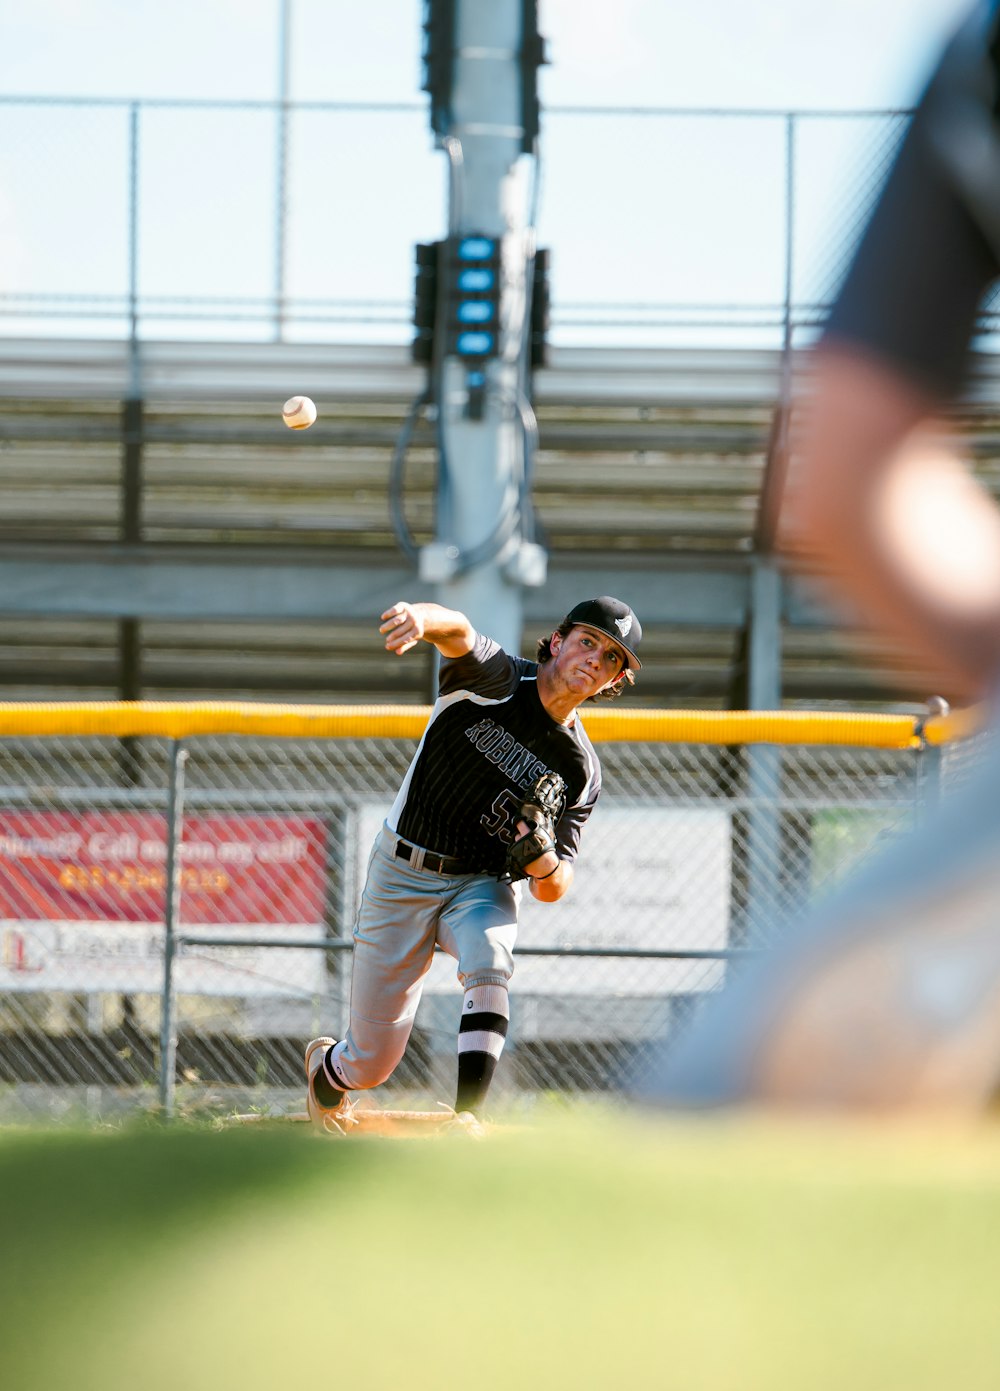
[[840, 168], [695, 855], [797, 184]]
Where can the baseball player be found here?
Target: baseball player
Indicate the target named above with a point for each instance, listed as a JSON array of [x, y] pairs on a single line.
[[496, 796]]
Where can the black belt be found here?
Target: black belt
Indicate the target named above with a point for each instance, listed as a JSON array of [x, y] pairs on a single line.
[[437, 864]]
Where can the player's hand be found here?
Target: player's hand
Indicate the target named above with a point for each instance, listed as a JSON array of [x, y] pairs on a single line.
[[402, 627], [545, 864]]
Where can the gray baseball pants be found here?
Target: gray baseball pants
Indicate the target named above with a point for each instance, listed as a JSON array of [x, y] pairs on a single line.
[[405, 912]]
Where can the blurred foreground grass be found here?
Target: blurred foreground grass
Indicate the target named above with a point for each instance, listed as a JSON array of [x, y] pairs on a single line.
[[730, 1254]]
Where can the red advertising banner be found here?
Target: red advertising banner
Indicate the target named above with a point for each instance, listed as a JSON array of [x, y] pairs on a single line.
[[83, 894], [111, 866]]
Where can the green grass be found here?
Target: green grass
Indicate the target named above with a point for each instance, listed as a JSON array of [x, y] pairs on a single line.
[[588, 1251]]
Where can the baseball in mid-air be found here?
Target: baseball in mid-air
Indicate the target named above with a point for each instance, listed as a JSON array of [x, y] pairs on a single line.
[[298, 413]]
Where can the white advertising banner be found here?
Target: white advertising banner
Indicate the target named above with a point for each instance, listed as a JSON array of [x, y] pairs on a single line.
[[646, 879], [86, 957]]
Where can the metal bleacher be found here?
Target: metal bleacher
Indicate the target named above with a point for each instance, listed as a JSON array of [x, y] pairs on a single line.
[[202, 548]]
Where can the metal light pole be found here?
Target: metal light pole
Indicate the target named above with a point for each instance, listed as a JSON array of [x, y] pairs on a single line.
[[482, 62]]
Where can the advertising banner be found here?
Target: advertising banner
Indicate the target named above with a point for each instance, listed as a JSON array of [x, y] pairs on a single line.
[[647, 878], [83, 895]]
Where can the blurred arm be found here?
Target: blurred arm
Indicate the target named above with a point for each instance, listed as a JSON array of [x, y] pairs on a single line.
[[880, 503]]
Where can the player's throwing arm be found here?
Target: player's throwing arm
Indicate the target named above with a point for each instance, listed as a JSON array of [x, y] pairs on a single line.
[[404, 625]]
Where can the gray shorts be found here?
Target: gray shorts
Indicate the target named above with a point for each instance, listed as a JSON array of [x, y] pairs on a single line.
[[404, 914]]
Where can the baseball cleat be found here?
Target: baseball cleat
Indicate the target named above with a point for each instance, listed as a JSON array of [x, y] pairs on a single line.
[[464, 1123], [327, 1119]]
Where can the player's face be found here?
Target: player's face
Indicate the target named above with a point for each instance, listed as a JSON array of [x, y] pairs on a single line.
[[586, 661]]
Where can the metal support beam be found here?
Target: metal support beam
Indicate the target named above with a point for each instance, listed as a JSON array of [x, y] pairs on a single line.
[[764, 641], [130, 530], [763, 762], [206, 584], [776, 469]]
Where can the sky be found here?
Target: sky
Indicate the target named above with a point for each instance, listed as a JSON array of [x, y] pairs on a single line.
[[799, 53], [636, 210]]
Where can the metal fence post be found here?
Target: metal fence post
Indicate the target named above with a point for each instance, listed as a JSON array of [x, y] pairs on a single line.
[[168, 1024], [789, 286], [763, 847], [281, 191], [930, 760], [133, 223]]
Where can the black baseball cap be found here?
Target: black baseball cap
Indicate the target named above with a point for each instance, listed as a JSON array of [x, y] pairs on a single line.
[[613, 618]]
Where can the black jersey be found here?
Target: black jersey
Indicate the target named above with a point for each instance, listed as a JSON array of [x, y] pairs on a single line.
[[914, 287], [488, 738]]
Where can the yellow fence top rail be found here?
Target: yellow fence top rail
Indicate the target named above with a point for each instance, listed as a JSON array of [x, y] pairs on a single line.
[[188, 719], [957, 724], [753, 727]]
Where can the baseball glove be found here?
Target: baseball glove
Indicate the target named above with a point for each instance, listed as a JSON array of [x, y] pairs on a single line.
[[542, 807]]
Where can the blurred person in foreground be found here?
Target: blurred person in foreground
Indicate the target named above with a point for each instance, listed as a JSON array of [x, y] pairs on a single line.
[[889, 995]]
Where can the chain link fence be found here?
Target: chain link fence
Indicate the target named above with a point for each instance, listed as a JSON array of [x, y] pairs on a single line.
[[266, 220], [176, 914]]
